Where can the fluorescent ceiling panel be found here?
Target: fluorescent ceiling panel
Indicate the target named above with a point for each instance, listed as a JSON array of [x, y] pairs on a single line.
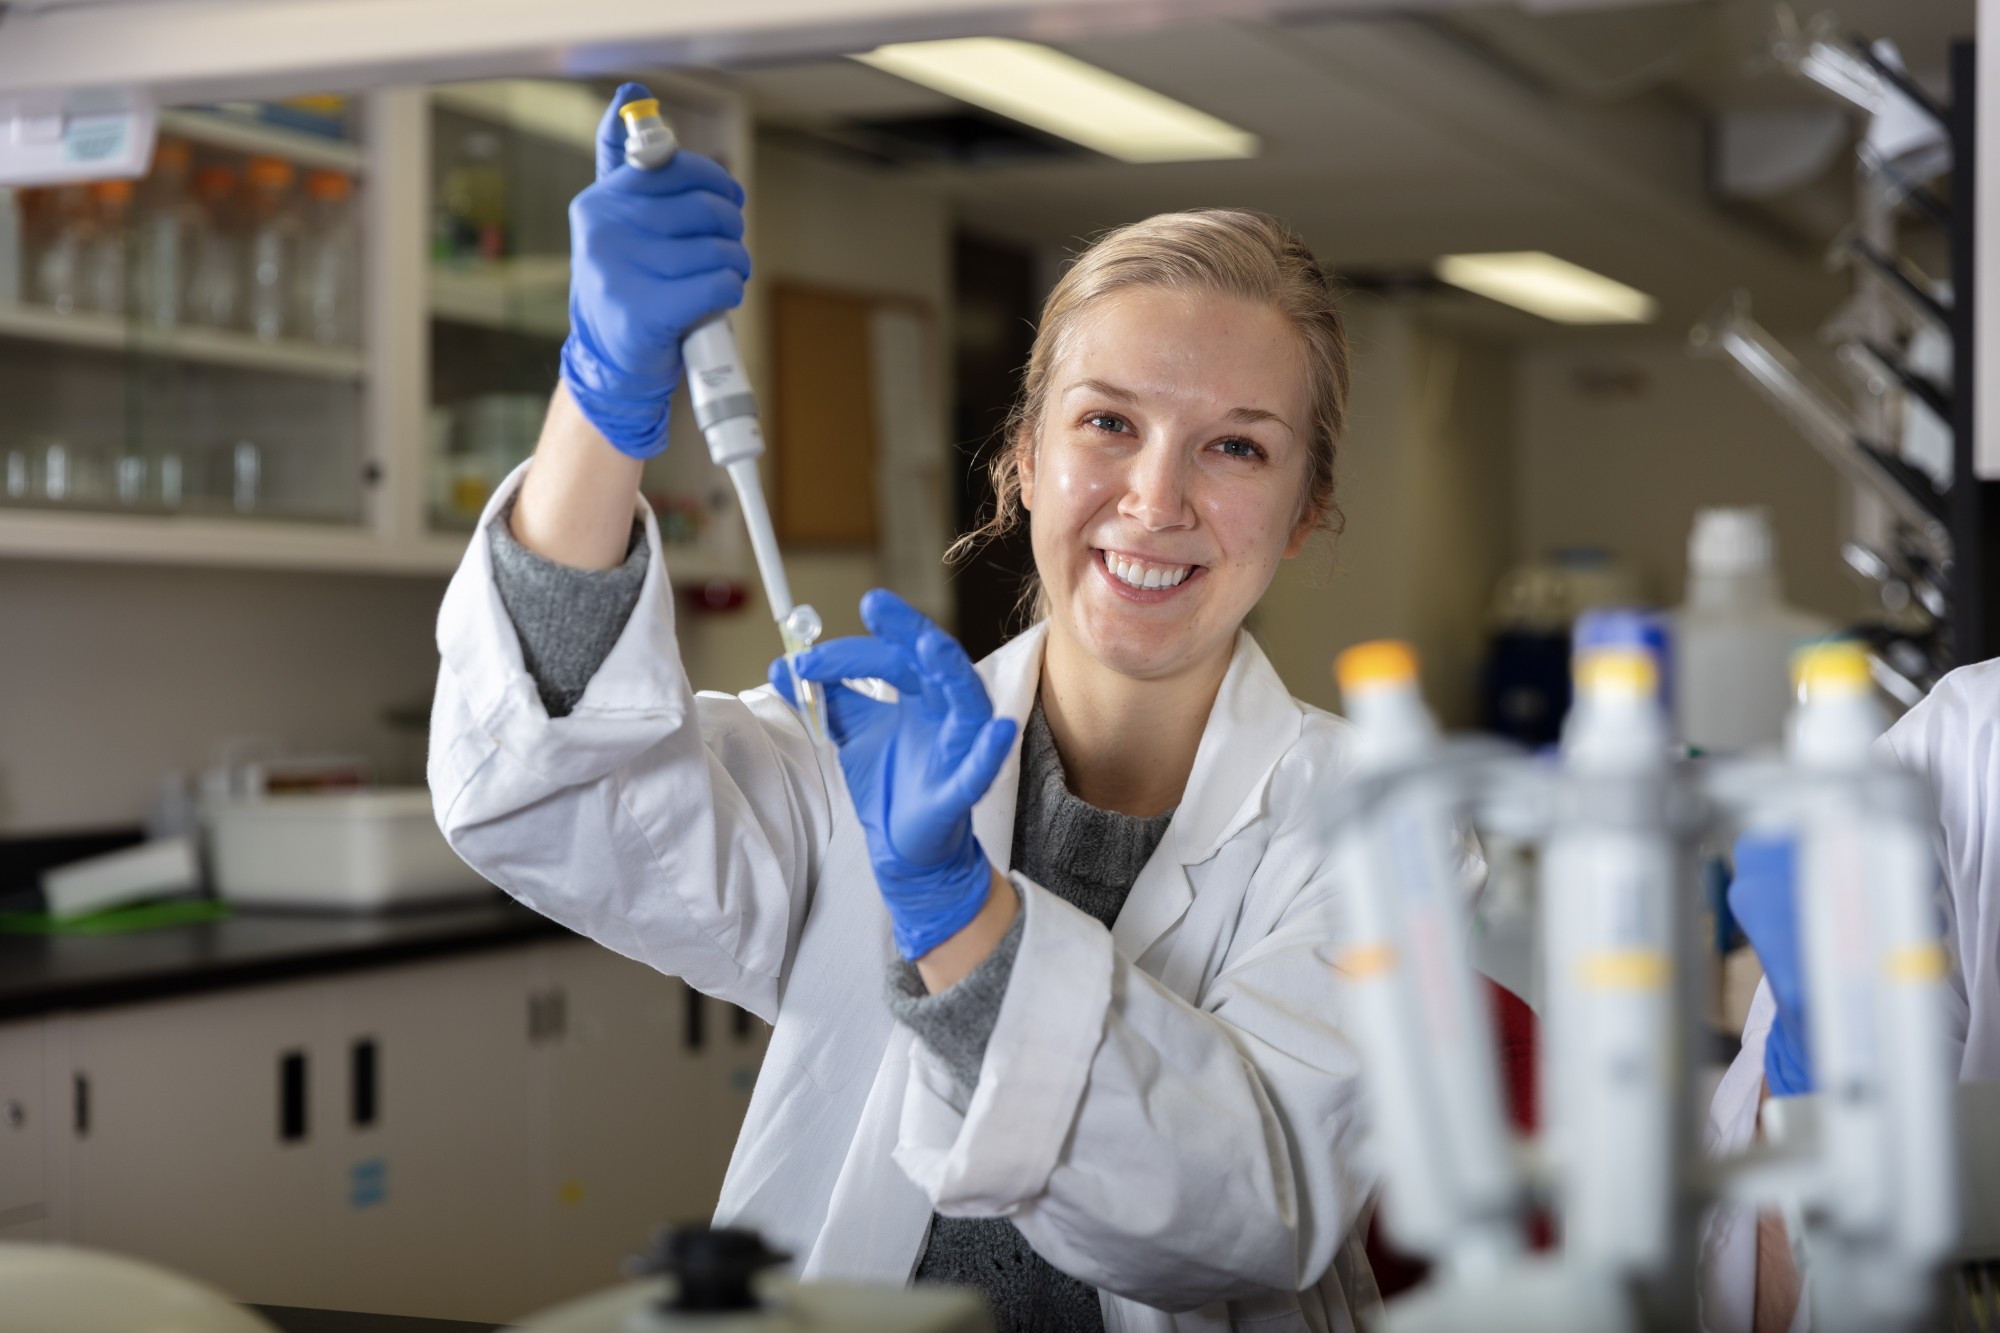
[[1066, 97], [1553, 288]]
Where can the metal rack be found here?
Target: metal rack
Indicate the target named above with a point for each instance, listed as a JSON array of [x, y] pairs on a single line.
[[1936, 560]]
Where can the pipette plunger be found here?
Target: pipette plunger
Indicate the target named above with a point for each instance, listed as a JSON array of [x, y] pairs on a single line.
[[726, 410]]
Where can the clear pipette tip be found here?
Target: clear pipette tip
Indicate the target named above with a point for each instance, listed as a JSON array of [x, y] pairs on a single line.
[[801, 630]]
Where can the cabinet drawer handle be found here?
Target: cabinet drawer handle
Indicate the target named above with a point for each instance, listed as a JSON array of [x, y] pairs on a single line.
[[80, 1102], [292, 1096], [365, 1082]]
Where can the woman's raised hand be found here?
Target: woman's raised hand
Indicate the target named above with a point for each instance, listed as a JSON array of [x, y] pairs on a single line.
[[916, 765], [651, 254]]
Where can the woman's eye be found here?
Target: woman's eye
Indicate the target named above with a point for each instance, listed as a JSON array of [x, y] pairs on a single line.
[[1106, 421], [1239, 448]]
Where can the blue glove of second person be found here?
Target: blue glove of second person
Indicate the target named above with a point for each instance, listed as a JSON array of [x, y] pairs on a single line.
[[1763, 898], [916, 766], [652, 253]]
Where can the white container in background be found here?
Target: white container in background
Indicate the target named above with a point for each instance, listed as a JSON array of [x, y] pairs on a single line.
[[1734, 636], [354, 850]]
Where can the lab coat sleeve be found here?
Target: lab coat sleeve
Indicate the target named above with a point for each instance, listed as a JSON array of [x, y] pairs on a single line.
[[682, 830], [1729, 1235], [1171, 1154]]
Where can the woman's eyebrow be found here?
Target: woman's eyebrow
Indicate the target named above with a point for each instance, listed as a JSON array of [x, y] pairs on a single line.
[[1242, 416]]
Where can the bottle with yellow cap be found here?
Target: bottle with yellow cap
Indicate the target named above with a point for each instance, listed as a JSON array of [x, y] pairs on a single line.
[[1617, 898], [1884, 1207], [1452, 1187]]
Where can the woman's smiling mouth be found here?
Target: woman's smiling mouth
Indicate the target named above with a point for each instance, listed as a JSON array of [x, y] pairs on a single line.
[[1142, 580]]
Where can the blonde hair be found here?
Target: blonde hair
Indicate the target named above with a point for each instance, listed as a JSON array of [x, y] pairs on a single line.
[[1231, 251]]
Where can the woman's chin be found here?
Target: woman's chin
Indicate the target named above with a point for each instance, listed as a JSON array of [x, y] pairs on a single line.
[[1145, 651]]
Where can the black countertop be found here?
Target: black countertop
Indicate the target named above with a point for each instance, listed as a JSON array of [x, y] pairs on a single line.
[[43, 973]]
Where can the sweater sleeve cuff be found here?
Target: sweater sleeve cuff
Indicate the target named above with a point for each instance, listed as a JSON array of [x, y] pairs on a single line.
[[956, 1023], [567, 619]]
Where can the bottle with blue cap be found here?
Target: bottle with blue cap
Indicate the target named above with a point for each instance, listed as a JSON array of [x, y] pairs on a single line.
[[1617, 911]]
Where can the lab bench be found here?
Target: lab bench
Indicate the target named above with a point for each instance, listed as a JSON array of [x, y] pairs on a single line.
[[463, 1113]]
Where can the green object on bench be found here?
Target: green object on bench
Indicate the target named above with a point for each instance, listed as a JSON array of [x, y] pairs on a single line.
[[118, 920]]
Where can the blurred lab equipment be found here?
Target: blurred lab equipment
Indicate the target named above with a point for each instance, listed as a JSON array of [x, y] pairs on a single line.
[[329, 262], [1525, 685], [1868, 1184], [271, 247], [473, 221], [156, 868], [1734, 635], [62, 233], [64, 1289], [701, 1278], [104, 266], [13, 245], [215, 283], [726, 409], [169, 231], [352, 850]]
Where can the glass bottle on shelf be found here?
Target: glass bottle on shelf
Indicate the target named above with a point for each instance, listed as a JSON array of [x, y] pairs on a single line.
[[65, 228], [104, 255], [215, 285], [170, 226], [13, 247], [474, 202], [272, 247], [328, 262]]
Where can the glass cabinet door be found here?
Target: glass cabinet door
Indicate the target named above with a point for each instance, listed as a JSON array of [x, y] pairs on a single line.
[[507, 157], [189, 343]]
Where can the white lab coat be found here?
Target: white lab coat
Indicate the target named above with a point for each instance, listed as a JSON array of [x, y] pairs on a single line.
[[1951, 740], [1167, 1109]]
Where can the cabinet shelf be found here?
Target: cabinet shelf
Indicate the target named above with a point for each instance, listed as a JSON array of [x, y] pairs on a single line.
[[525, 295], [219, 347], [220, 130], [174, 539]]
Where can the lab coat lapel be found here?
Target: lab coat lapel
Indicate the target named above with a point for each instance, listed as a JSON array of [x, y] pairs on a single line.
[[1012, 676], [1253, 722]]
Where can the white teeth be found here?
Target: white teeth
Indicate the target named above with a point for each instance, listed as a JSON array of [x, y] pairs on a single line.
[[1141, 575]]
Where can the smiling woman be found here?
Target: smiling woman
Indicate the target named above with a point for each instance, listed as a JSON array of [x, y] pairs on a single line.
[[1047, 941]]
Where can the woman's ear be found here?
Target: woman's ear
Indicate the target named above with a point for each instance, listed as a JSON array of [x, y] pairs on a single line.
[[1024, 469], [1308, 524]]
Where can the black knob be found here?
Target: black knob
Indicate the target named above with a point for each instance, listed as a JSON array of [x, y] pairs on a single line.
[[713, 1267]]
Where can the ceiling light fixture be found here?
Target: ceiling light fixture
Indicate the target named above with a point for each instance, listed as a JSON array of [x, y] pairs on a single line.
[[1066, 97], [1553, 288]]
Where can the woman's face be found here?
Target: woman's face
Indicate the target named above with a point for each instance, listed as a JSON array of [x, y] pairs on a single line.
[[1167, 479]]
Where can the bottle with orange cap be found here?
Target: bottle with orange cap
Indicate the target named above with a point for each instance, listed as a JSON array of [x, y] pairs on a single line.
[[169, 231], [1453, 1190], [215, 285], [104, 266], [329, 280], [270, 248]]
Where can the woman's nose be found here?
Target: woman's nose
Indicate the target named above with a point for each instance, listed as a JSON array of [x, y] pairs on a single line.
[[1156, 491]]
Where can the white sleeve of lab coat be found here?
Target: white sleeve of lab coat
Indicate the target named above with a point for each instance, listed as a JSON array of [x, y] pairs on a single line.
[[682, 830], [1729, 1235], [1169, 1154]]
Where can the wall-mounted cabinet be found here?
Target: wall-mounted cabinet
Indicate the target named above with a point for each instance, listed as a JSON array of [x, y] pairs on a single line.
[[317, 334]]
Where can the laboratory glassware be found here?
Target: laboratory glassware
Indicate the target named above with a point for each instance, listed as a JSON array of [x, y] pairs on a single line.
[[272, 247], [104, 255], [328, 256], [215, 286]]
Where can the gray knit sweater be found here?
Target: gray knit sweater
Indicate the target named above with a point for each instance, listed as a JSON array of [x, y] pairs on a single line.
[[568, 620]]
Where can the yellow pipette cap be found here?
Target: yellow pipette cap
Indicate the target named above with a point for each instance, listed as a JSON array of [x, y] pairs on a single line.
[[1822, 670], [640, 109], [1375, 664]]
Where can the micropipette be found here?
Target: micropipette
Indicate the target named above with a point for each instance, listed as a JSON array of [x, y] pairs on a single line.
[[726, 410]]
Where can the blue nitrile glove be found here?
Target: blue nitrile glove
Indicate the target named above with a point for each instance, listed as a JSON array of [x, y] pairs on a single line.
[[915, 767], [651, 254], [1763, 898]]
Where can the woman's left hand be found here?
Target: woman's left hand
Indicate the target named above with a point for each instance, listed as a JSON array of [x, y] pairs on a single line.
[[915, 765]]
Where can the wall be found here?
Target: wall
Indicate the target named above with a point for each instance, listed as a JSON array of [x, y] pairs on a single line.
[[1425, 486], [112, 675], [1619, 445]]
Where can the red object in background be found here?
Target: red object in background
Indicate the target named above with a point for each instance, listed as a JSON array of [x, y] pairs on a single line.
[[713, 595], [1515, 1033]]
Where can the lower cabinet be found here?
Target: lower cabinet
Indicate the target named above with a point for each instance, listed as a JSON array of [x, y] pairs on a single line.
[[470, 1138]]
